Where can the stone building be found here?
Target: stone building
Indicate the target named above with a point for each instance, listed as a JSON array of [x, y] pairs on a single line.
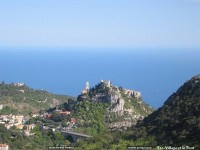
[[107, 83]]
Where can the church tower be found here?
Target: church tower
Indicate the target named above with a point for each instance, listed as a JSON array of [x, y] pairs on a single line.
[[87, 86], [109, 84]]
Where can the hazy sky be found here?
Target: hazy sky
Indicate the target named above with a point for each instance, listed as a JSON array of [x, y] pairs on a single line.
[[100, 23]]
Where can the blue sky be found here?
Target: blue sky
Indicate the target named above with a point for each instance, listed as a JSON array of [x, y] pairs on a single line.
[[100, 23]]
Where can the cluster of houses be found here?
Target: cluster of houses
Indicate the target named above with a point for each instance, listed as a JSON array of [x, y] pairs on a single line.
[[16, 121], [132, 93], [19, 121], [12, 120], [63, 113], [9, 121]]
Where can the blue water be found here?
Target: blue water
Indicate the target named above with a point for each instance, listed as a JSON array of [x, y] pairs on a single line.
[[156, 73]]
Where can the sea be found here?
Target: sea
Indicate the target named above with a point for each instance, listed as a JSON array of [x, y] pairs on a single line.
[[157, 73]]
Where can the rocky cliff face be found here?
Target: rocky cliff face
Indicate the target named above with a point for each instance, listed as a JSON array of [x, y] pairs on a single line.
[[125, 107]]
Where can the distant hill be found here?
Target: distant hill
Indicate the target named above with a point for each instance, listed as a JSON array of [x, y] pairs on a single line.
[[177, 122], [19, 98]]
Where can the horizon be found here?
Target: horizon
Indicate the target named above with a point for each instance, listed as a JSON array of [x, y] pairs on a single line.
[[130, 24], [157, 74], [140, 35]]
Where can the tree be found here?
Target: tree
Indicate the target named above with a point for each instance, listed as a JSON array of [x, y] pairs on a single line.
[[3, 83]]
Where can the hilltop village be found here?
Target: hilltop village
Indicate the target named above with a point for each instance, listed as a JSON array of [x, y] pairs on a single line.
[[108, 84]]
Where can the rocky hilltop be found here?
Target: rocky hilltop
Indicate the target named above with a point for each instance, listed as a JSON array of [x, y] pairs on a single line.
[[124, 107], [177, 122]]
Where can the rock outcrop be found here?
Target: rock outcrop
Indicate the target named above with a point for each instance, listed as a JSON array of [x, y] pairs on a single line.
[[125, 107]]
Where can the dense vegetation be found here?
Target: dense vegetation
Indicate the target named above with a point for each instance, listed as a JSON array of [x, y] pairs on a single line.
[[177, 122], [90, 117], [41, 140], [118, 140], [8, 110]]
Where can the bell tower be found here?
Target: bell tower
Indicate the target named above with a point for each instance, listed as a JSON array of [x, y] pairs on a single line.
[[87, 86]]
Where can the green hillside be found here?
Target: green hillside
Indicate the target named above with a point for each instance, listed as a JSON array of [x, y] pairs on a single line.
[[177, 122], [25, 100]]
